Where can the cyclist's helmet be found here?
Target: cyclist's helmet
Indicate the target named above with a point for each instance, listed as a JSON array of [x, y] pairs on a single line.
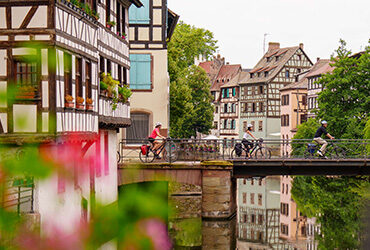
[[250, 125], [158, 124], [324, 122]]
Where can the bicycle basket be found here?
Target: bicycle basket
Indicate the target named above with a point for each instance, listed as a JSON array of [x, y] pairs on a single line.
[[311, 148]]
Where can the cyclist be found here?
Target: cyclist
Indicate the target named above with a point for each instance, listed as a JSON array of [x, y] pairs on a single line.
[[153, 138], [322, 130], [246, 139]]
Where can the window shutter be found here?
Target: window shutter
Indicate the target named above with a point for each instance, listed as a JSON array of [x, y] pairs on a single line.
[[234, 92], [227, 93], [139, 15], [140, 72]]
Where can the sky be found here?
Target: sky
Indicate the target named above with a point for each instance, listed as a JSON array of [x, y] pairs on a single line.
[[240, 25]]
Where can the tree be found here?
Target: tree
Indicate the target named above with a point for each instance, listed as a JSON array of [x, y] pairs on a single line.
[[191, 108], [190, 101], [345, 99], [337, 203]]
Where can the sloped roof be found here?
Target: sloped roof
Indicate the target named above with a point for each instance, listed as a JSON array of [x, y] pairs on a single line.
[[206, 66], [272, 66], [234, 82], [322, 66], [302, 84], [226, 73]]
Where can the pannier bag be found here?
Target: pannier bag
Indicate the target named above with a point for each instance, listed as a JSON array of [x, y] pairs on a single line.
[[144, 149], [311, 148], [238, 149]]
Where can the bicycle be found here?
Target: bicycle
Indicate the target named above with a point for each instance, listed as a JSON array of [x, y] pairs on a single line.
[[332, 151], [258, 151], [169, 149]]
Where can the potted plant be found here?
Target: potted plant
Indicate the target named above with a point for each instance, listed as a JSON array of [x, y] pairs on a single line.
[[124, 35], [103, 88], [69, 101], [26, 92], [80, 102], [124, 93], [111, 24], [95, 15], [89, 104]]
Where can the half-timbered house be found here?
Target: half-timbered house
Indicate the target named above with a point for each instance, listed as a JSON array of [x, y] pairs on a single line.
[[321, 67], [52, 54], [151, 27], [260, 97]]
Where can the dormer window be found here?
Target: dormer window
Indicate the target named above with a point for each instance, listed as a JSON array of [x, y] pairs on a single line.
[[299, 57], [266, 73], [258, 74], [287, 75], [223, 80], [252, 74], [218, 80], [277, 58], [268, 59]]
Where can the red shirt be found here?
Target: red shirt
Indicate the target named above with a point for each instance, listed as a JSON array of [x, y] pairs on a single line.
[[155, 133]]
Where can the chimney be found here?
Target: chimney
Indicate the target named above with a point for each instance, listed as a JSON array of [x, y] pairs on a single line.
[[274, 46], [317, 59], [301, 46]]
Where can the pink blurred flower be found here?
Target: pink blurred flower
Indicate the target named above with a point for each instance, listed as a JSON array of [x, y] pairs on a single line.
[[156, 230]]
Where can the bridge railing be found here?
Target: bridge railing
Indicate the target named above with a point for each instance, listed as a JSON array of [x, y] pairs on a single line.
[[226, 149]]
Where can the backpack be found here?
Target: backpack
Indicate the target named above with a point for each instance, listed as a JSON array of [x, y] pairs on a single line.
[[144, 149], [238, 149]]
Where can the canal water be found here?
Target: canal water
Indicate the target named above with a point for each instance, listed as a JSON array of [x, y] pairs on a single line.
[[266, 218]]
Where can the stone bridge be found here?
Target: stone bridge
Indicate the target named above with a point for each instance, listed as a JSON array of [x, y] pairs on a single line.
[[218, 178]]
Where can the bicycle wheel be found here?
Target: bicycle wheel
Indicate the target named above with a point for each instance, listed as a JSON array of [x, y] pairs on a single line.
[[148, 158], [263, 153], [171, 153], [243, 155]]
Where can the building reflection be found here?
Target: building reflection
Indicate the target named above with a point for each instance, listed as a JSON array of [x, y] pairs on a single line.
[[268, 217]]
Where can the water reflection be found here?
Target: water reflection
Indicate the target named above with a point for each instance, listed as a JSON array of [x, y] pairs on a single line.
[[266, 218]]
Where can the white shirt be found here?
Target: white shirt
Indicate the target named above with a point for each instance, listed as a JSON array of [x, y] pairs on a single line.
[[247, 136]]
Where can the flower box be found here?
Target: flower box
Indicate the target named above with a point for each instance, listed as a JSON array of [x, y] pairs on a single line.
[[80, 106], [89, 106], [69, 104]]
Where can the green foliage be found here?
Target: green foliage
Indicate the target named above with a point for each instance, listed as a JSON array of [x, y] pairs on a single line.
[[190, 98], [305, 130], [189, 91], [337, 204], [109, 84], [345, 99], [125, 92], [367, 135]]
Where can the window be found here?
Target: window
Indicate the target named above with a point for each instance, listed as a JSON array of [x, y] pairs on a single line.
[[88, 87], [287, 74], [285, 120], [277, 58], [140, 73], [225, 124], [266, 73], [252, 199], [253, 107], [102, 64], [260, 219], [260, 199], [260, 182], [225, 107], [261, 106], [253, 218], [282, 188], [139, 129], [287, 189], [260, 89], [260, 125], [244, 181], [252, 181], [121, 18], [79, 77], [109, 66], [303, 118], [284, 100], [139, 15], [253, 123], [252, 75], [68, 74], [216, 110], [215, 125], [244, 198], [304, 100], [107, 11], [245, 125], [227, 93], [232, 124]]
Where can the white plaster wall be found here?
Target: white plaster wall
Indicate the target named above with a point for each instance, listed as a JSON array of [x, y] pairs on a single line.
[[2, 18], [157, 100], [18, 15], [3, 63], [39, 20], [106, 189]]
